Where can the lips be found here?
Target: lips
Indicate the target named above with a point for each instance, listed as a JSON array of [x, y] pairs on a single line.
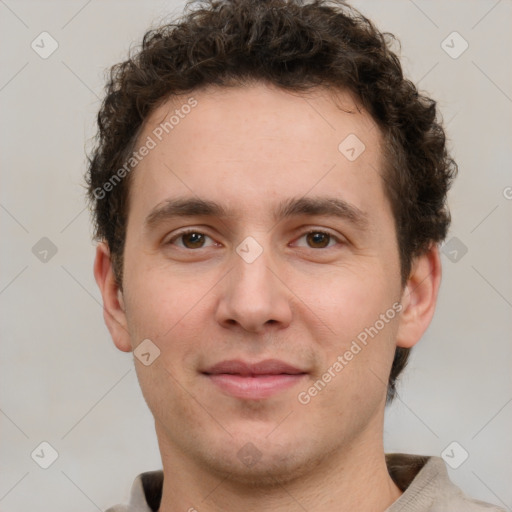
[[267, 367], [253, 381]]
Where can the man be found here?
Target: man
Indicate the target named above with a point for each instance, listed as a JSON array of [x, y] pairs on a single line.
[[269, 194]]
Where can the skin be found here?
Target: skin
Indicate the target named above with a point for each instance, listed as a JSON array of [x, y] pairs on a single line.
[[248, 149]]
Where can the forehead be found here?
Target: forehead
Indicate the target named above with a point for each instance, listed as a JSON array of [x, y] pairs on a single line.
[[240, 145]]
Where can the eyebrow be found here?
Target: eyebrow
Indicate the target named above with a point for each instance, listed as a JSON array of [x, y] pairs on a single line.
[[310, 206]]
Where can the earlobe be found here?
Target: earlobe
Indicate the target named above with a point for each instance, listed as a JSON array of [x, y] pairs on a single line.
[[419, 297], [113, 300]]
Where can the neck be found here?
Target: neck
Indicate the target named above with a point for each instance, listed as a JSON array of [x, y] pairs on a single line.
[[354, 479]]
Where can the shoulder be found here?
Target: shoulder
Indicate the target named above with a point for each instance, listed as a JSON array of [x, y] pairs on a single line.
[[145, 494], [427, 487]]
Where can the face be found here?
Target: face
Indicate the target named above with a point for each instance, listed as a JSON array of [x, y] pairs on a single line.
[[261, 259]]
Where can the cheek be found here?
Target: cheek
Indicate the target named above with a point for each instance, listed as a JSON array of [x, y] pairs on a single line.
[[360, 310], [347, 299], [159, 299], [175, 312], [351, 382], [166, 393]]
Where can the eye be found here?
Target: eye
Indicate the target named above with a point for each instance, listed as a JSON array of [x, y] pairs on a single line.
[[319, 240], [191, 240]]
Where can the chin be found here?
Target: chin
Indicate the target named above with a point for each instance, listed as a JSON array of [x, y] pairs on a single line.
[[272, 466]]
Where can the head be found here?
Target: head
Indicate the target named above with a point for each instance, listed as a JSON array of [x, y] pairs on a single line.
[[236, 121]]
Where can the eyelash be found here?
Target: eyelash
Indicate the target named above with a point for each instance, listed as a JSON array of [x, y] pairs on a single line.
[[310, 231]]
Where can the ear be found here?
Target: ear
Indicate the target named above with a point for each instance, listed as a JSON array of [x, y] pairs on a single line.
[[113, 302], [419, 297]]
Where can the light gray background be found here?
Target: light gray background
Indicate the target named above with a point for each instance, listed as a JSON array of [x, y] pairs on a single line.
[[62, 380]]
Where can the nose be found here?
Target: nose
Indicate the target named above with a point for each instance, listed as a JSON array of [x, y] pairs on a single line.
[[253, 297]]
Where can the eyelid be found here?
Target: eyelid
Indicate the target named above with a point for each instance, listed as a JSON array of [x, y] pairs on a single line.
[[186, 231], [340, 239]]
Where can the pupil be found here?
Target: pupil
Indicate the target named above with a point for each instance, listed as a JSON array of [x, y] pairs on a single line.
[[193, 239], [318, 239]]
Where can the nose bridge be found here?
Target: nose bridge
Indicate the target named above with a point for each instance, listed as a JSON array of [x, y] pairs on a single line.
[[253, 272], [253, 297]]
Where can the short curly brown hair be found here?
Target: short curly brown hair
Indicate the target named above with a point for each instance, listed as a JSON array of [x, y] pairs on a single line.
[[297, 46]]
